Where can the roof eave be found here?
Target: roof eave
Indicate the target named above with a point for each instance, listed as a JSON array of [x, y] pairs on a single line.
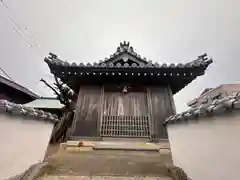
[[60, 64], [18, 87]]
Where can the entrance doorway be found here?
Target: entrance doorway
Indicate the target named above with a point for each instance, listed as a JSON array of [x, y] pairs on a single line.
[[125, 113]]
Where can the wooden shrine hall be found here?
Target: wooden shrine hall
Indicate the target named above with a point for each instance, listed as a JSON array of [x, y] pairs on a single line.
[[125, 95]]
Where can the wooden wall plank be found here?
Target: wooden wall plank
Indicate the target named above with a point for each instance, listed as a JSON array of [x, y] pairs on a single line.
[[87, 112], [129, 104], [161, 109], [94, 101]]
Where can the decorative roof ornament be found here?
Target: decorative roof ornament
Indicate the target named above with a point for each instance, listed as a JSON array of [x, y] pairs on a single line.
[[124, 47], [203, 59], [203, 56], [52, 56], [112, 61], [124, 44]]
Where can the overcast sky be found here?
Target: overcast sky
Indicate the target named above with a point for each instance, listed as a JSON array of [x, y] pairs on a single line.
[[165, 31]]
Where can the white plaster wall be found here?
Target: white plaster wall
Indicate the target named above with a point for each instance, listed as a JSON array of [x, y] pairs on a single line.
[[23, 143], [208, 149]]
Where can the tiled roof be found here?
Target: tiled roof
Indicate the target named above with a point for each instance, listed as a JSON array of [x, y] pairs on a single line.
[[217, 107], [142, 62], [20, 110], [45, 103], [126, 64], [17, 87], [206, 90]]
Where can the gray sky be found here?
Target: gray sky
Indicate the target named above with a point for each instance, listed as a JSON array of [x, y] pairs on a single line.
[[89, 30]]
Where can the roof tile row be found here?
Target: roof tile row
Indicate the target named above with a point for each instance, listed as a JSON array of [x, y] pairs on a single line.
[[21, 110], [225, 104], [195, 63], [202, 60]]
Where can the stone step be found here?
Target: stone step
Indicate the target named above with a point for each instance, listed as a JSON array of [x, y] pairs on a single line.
[[77, 146], [110, 163], [103, 178], [126, 147], [120, 145]]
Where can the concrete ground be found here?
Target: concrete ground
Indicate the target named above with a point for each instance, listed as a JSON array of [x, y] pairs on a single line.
[[52, 149], [103, 178], [106, 164]]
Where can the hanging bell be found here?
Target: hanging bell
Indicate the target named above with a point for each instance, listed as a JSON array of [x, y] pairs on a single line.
[[125, 89]]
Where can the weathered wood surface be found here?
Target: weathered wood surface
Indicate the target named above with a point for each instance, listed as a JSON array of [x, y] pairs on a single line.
[[87, 112], [129, 104], [161, 109], [95, 103], [172, 100], [125, 114]]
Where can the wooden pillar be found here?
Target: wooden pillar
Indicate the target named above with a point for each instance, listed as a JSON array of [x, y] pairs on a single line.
[[99, 122], [171, 100], [77, 106], [161, 109], [150, 114]]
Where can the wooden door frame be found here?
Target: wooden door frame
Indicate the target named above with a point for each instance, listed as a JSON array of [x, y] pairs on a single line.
[[101, 111], [149, 109]]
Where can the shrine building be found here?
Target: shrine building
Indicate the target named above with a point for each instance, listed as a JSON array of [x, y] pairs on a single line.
[[125, 95]]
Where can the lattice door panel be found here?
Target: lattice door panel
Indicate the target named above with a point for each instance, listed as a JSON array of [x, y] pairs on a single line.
[[125, 126]]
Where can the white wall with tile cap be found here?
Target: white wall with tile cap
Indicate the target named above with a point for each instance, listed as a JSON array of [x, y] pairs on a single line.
[[25, 135], [208, 147]]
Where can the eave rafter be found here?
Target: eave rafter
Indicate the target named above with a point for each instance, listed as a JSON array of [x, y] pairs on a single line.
[[130, 73]]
